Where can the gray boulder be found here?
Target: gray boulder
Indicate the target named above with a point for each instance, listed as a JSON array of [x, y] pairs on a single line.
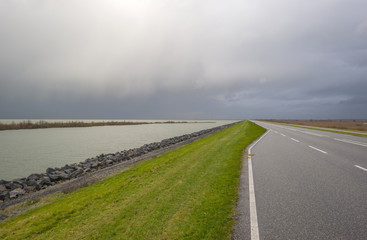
[[76, 173], [3, 182], [58, 176], [33, 177], [30, 188], [12, 185], [94, 164], [50, 170], [44, 181], [21, 182], [31, 183], [16, 192], [109, 162], [4, 195], [69, 171]]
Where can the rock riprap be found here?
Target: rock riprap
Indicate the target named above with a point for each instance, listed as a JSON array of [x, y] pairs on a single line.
[[13, 189]]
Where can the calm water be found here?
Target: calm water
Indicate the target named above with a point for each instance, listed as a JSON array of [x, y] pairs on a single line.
[[23, 152]]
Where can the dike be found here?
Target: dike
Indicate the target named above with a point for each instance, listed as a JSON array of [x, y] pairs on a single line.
[[76, 175]]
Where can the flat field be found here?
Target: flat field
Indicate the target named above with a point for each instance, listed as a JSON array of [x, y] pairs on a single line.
[[188, 193]]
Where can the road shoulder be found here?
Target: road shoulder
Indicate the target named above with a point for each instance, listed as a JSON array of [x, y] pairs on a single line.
[[242, 229]]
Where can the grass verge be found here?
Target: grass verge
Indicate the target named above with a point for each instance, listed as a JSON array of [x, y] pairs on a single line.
[[188, 193]]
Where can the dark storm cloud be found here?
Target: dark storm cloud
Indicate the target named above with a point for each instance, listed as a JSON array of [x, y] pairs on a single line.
[[183, 59]]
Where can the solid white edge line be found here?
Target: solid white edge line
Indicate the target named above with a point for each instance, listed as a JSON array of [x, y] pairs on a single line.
[[318, 149], [361, 167], [351, 142], [295, 140], [253, 214]]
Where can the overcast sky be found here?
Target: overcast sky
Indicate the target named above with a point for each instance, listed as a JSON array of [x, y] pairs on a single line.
[[183, 59]]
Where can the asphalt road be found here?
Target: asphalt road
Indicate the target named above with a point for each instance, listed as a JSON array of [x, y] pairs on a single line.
[[309, 184]]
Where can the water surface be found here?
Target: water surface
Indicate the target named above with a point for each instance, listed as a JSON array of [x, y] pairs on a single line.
[[27, 151]]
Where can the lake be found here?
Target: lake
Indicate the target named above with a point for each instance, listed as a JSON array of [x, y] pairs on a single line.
[[23, 152]]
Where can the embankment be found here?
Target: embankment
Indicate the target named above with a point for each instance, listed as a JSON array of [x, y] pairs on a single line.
[[17, 188], [187, 193]]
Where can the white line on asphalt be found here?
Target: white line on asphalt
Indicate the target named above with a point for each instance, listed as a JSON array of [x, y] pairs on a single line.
[[311, 133], [318, 149], [288, 128], [282, 134], [315, 134], [275, 131], [352, 142], [253, 213], [361, 167], [295, 140]]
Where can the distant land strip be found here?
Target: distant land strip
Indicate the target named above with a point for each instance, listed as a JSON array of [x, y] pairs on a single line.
[[355, 125], [44, 124]]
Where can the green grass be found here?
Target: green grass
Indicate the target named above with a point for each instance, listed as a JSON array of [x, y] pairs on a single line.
[[326, 130], [188, 193]]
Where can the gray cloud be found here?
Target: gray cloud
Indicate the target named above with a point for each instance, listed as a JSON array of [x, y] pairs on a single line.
[[183, 59]]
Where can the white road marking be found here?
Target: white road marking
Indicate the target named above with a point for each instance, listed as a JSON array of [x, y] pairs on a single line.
[[315, 134], [318, 149], [295, 140], [361, 167], [288, 128], [282, 134], [275, 131], [351, 142], [253, 213], [311, 133]]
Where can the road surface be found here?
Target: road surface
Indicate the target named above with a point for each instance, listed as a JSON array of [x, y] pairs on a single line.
[[308, 184]]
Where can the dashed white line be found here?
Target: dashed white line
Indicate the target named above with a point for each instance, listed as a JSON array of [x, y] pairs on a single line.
[[311, 133], [318, 149], [295, 140], [364, 169], [288, 128], [253, 214], [315, 134], [351, 142], [282, 134]]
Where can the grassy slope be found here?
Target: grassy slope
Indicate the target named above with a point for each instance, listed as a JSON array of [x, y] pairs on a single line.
[[189, 193]]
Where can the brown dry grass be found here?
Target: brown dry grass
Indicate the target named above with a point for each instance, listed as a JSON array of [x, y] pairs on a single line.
[[338, 124]]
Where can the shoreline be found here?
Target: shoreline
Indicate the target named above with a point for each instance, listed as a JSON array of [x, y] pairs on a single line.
[[91, 170], [188, 192], [28, 124]]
